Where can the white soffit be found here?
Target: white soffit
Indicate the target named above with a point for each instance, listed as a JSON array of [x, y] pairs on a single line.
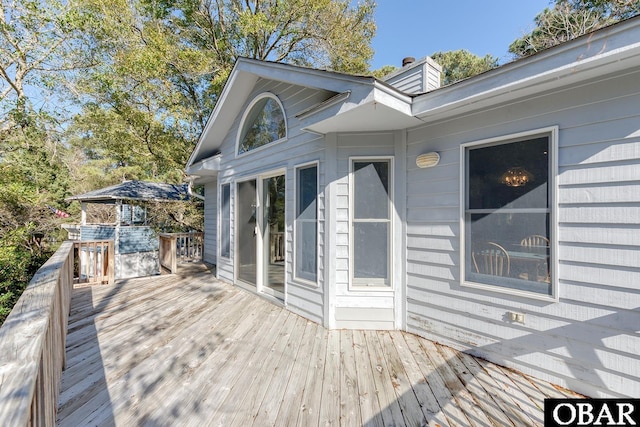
[[379, 109], [369, 117], [206, 167]]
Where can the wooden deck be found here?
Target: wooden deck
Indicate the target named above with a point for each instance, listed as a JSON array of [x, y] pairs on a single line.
[[189, 350]]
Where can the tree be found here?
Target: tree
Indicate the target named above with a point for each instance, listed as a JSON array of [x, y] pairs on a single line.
[[569, 19], [36, 49], [36, 54], [384, 71], [33, 176], [163, 64], [461, 64]]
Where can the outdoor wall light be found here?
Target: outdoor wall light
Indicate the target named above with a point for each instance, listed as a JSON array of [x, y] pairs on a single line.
[[427, 160]]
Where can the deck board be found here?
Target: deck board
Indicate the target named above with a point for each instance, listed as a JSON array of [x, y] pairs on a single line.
[[190, 350]]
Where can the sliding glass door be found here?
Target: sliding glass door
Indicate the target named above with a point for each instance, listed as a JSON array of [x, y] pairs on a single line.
[[246, 230], [261, 234], [273, 235]]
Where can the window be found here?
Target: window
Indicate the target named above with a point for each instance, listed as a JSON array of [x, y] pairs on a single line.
[[306, 223], [371, 222], [263, 123], [132, 215], [225, 225], [508, 221]]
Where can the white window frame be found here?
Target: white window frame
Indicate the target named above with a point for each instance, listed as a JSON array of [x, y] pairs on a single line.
[[552, 133], [247, 110], [374, 285], [260, 236], [220, 227], [295, 211]]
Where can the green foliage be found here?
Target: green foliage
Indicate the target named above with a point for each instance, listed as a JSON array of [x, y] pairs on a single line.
[[461, 64], [17, 266], [33, 168], [36, 51], [163, 64], [384, 71], [568, 19]]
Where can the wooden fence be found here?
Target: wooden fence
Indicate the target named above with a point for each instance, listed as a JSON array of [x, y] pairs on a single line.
[[32, 345], [95, 262], [176, 248]]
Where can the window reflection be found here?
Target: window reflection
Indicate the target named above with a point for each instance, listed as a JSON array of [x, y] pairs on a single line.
[[501, 218], [263, 124], [371, 222]]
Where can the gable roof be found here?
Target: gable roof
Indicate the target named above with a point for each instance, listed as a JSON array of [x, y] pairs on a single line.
[[136, 191], [356, 103], [362, 103]]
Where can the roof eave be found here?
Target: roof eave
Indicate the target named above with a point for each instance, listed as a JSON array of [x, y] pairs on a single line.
[[605, 51], [240, 84], [376, 107]]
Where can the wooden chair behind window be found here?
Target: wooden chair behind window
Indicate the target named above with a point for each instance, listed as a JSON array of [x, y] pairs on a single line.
[[491, 259], [542, 269], [534, 240]]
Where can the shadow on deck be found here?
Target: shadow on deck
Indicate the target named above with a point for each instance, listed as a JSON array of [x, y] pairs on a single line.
[[186, 349]]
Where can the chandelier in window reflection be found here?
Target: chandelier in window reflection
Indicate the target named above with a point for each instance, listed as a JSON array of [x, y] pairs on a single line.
[[516, 177]]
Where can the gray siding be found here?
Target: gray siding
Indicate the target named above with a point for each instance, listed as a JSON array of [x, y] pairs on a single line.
[[138, 239], [588, 340], [418, 77], [299, 148], [136, 251], [360, 308], [210, 222], [97, 232], [132, 239]]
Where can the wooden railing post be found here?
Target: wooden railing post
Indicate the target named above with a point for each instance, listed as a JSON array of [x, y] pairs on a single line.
[[183, 246], [111, 270], [174, 256]]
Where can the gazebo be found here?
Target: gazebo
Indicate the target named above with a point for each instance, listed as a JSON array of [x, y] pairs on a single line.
[[135, 242]]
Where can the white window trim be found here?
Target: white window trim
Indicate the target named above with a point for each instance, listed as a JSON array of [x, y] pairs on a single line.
[[244, 118], [302, 280], [373, 286], [552, 132], [222, 184]]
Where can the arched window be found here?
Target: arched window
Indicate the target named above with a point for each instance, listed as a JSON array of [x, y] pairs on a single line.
[[263, 122]]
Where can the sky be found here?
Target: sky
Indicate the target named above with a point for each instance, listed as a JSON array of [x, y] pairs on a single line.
[[420, 28]]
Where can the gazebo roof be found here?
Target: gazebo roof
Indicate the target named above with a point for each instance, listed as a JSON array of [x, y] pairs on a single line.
[[136, 191]]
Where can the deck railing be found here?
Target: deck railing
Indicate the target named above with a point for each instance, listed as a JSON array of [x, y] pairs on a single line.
[[95, 262], [176, 248], [32, 344], [276, 247]]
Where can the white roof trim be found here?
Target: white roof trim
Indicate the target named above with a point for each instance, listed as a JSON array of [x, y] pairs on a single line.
[[584, 58], [324, 105]]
